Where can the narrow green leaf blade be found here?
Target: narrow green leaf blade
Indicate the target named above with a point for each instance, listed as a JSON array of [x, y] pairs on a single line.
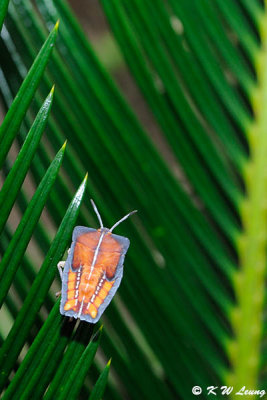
[[15, 114], [70, 359], [76, 379], [3, 10], [21, 238], [45, 362], [99, 387], [52, 321], [20, 168], [37, 294]]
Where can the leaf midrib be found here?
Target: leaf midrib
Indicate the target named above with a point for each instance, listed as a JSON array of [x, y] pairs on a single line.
[[247, 317]]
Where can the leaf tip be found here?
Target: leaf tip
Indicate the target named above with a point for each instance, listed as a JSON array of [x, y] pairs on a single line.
[[109, 362], [56, 25], [85, 178], [64, 145]]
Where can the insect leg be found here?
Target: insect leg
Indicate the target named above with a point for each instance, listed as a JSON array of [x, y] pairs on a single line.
[[60, 268]]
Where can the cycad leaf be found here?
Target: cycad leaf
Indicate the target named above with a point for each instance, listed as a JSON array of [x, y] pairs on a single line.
[[171, 327], [20, 168], [14, 117], [21, 237], [73, 386], [155, 281], [44, 334], [19, 242], [3, 10], [69, 361], [40, 287], [100, 385]]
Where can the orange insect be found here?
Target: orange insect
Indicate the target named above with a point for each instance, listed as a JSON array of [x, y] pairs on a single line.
[[93, 270]]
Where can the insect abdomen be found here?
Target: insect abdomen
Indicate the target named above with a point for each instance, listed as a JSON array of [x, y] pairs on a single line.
[[92, 273]]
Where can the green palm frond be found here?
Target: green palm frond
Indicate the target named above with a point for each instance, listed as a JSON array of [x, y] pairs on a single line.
[[191, 308], [98, 389], [21, 103], [3, 10], [47, 348]]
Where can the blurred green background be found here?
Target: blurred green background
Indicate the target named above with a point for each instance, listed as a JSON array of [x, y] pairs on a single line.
[[163, 104]]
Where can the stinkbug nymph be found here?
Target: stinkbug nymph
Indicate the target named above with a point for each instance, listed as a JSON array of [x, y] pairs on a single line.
[[93, 270]]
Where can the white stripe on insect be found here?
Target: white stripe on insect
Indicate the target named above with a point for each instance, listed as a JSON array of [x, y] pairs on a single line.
[[96, 292], [91, 270], [78, 281], [80, 310]]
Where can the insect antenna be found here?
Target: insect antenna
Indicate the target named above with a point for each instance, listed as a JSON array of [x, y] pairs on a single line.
[[117, 223], [97, 213]]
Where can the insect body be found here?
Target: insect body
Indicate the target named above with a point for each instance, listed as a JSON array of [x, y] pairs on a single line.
[[93, 271]]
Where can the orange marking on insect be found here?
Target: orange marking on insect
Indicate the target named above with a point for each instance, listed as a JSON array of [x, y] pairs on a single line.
[[82, 255], [92, 310], [72, 276], [98, 301], [103, 294], [71, 294], [108, 285], [69, 305], [71, 285]]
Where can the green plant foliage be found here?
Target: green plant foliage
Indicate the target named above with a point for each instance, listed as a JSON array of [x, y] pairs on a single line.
[[20, 240], [3, 10], [13, 119], [75, 381], [190, 310], [57, 333], [19, 170], [71, 357], [98, 390]]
